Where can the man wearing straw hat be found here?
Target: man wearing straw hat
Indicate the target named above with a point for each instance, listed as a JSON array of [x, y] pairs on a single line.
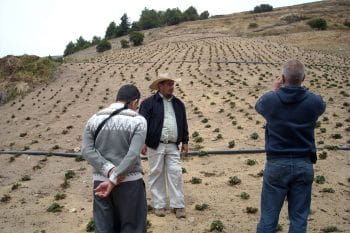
[[167, 129]]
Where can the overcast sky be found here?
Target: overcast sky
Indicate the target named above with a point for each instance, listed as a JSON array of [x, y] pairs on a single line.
[[45, 27]]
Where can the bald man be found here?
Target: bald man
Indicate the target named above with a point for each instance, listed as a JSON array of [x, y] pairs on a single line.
[[291, 113]]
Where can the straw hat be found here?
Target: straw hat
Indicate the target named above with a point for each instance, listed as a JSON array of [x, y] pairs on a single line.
[[162, 78]]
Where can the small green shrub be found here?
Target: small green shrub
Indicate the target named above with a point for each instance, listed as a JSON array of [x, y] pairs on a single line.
[[279, 227], [196, 180], [320, 179], [328, 190], [104, 45], [54, 207], [60, 196], [253, 25], [254, 136], [124, 44], [136, 37], [330, 229], [251, 162], [217, 225], [231, 144], [90, 227], [318, 23], [195, 134], [15, 186], [234, 180], [245, 195], [6, 198], [323, 155], [201, 207], [69, 174], [198, 139], [251, 210], [25, 178]]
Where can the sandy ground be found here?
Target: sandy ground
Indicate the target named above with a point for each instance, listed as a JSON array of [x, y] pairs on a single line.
[[219, 87]]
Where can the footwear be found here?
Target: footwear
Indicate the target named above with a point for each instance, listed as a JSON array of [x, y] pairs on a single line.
[[180, 212], [160, 212]]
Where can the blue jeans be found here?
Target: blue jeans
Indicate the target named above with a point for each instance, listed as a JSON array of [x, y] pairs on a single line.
[[289, 178]]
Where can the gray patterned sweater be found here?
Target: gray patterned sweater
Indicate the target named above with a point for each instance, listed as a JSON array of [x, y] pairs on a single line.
[[118, 144]]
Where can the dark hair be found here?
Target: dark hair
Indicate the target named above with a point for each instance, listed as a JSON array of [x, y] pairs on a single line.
[[128, 93]]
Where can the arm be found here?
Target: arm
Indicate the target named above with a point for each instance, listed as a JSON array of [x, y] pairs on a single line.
[[133, 155], [92, 155], [185, 139], [277, 83]]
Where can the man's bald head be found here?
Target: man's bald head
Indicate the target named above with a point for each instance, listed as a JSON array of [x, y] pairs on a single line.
[[293, 73]]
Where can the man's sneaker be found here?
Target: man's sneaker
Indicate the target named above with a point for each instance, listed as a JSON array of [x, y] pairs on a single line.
[[160, 212], [180, 212]]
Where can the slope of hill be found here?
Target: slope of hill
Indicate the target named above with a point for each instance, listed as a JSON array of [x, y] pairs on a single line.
[[223, 70]]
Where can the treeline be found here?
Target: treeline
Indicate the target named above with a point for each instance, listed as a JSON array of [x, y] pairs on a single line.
[[148, 19]]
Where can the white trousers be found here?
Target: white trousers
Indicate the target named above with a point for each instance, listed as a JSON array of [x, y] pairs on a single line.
[[165, 167]]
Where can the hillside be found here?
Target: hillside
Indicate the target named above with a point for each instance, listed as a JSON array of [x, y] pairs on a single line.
[[223, 67]]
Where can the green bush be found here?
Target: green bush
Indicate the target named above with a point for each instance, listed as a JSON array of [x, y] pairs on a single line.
[[90, 227], [234, 180], [318, 23], [253, 25], [124, 44], [217, 225], [263, 8], [136, 38], [103, 46]]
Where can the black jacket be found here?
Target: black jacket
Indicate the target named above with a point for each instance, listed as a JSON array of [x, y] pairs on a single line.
[[152, 109]]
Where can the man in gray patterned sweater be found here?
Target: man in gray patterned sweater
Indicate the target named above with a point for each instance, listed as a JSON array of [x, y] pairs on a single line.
[[113, 150]]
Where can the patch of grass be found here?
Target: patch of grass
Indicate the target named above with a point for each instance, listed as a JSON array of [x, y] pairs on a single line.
[[320, 179], [60, 196], [201, 207], [328, 190], [336, 136], [254, 136], [245, 195], [25, 178], [15, 186], [183, 170], [231, 144], [234, 180], [6, 198], [251, 210], [90, 227], [196, 180], [279, 227], [69, 174], [54, 207], [330, 229], [217, 225], [323, 155], [251, 162]]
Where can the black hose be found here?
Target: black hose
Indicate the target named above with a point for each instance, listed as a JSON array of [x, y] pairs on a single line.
[[216, 152]]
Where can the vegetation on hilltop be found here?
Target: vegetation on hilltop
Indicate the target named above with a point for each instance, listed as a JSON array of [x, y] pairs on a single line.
[[19, 74], [148, 19]]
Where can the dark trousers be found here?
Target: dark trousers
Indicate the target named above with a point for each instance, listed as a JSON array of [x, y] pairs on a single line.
[[123, 211]]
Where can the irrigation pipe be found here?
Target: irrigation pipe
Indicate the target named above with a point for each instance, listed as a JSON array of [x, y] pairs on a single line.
[[191, 153]]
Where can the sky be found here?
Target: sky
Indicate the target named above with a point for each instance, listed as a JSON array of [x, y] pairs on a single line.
[[45, 27]]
